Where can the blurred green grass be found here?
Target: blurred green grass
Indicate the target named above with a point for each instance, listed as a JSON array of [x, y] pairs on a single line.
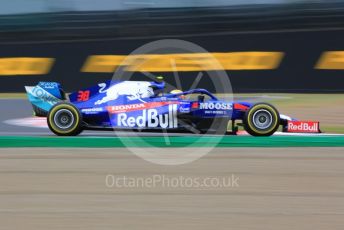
[[13, 96]]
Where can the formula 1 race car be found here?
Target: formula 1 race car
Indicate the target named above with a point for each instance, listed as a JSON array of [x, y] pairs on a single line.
[[143, 106]]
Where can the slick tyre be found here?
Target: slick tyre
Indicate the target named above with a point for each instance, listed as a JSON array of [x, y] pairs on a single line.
[[64, 119], [261, 119]]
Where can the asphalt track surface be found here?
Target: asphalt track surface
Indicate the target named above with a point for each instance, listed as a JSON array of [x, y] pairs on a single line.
[[63, 188], [20, 108], [283, 188]]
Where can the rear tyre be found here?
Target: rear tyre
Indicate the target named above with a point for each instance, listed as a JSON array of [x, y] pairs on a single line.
[[64, 119], [261, 119]]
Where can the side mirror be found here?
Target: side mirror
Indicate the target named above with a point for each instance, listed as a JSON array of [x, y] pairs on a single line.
[[200, 98]]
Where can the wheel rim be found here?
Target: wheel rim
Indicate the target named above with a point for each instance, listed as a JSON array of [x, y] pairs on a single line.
[[262, 119], [63, 119]]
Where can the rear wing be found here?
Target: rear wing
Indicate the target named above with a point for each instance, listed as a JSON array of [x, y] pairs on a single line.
[[43, 96]]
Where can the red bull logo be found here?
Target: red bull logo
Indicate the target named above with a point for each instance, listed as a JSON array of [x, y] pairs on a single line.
[[150, 118], [303, 127]]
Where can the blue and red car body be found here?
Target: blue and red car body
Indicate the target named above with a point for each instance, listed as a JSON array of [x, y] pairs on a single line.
[[141, 106]]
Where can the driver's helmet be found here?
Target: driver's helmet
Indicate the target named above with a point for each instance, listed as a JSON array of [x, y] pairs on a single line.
[[177, 91]]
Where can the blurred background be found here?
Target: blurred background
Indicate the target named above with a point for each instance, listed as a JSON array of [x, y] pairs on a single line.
[[268, 45]]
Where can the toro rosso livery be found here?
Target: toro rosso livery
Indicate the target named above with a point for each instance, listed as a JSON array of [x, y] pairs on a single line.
[[144, 106]]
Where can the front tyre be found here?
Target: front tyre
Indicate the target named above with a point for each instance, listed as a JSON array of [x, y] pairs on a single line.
[[261, 119], [64, 119]]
